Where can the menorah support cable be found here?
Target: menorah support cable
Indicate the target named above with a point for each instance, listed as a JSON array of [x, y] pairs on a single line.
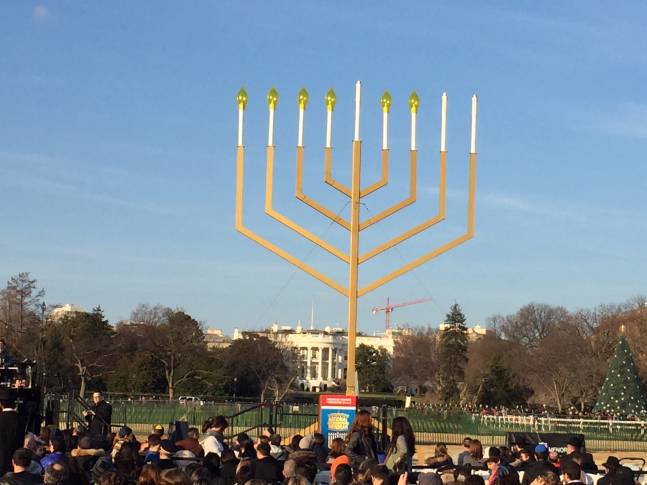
[[355, 193]]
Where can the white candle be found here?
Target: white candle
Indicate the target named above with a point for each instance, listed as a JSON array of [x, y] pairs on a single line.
[[328, 127], [300, 136], [473, 140], [443, 123], [358, 95], [240, 126], [413, 130], [385, 130], [270, 134]]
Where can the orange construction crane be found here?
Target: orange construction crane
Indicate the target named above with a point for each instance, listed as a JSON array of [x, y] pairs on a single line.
[[388, 309]]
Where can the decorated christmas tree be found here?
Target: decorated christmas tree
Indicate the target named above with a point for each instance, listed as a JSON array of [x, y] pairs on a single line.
[[621, 393]]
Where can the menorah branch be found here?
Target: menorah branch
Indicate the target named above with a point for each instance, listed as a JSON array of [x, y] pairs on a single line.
[[311, 202], [439, 217], [469, 234], [403, 203], [384, 178], [328, 178], [270, 211], [240, 227]]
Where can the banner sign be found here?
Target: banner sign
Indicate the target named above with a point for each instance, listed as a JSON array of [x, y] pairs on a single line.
[[554, 441], [336, 415]]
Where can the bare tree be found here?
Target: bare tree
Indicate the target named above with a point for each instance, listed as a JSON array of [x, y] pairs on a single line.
[[150, 314], [532, 323]]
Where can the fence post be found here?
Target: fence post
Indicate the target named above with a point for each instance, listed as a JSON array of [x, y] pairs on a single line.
[[385, 424]]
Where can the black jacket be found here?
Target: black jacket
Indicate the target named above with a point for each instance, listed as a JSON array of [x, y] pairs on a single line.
[[102, 413], [268, 469], [361, 447], [620, 476], [587, 463], [12, 434], [22, 478], [537, 468]]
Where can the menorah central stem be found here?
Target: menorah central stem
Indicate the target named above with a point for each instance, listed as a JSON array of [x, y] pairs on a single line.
[[351, 381]]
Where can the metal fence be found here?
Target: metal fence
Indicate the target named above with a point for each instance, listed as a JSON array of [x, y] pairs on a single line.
[[430, 426]]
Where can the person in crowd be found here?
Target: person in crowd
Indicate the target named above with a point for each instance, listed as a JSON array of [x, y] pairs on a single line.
[[526, 458], [191, 442], [174, 477], [548, 478], [336, 456], [245, 447], [158, 429], [403, 446], [229, 465], [21, 460], [153, 452], [474, 480], [380, 475], [289, 469], [574, 451], [56, 451], [37, 447], [294, 444], [441, 457], [276, 450], [167, 450], [213, 439], [360, 441], [150, 475], [541, 466], [475, 458], [298, 480], [499, 470], [244, 472], [320, 449], [124, 434], [11, 430], [571, 473], [615, 473], [211, 462], [343, 475], [266, 467], [99, 416], [128, 461], [467, 442], [83, 459]]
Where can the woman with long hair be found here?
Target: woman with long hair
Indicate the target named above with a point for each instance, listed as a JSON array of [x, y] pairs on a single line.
[[441, 457], [402, 447], [475, 458], [360, 441], [150, 475]]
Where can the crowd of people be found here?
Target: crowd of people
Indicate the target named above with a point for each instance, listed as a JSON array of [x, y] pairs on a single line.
[[205, 457]]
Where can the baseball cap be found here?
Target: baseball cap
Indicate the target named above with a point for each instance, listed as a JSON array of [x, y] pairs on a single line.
[[541, 448], [124, 431]]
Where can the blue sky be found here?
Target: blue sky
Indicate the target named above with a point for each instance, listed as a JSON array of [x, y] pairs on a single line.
[[118, 130]]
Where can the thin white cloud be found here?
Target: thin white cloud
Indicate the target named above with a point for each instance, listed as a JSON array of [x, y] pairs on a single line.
[[40, 14]]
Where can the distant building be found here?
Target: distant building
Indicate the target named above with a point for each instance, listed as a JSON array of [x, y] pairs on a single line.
[[60, 312], [321, 354], [215, 339], [473, 333]]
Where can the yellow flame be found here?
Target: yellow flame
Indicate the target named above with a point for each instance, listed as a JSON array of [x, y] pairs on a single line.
[[241, 98], [414, 102], [385, 100], [273, 98], [330, 99], [303, 98]]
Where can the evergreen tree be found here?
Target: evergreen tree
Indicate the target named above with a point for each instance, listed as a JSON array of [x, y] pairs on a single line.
[[621, 393], [452, 355], [374, 369], [499, 387]]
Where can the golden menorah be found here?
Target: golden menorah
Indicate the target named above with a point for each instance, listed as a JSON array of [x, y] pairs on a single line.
[[353, 258]]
